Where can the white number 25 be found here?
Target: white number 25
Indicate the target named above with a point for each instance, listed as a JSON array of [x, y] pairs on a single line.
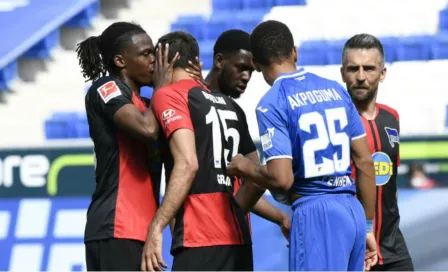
[[324, 138]]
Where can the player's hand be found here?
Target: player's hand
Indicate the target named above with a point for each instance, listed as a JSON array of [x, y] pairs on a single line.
[[152, 252], [286, 226], [195, 70], [237, 165], [371, 257], [163, 68]]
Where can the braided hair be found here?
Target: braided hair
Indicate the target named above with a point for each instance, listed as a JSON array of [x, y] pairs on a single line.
[[96, 54]]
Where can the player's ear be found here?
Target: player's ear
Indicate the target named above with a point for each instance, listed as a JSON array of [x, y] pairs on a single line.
[[342, 74], [383, 74], [294, 54], [119, 61], [219, 61]]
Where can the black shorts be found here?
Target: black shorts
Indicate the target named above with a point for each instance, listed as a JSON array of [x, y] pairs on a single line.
[[402, 265], [214, 258], [114, 255]]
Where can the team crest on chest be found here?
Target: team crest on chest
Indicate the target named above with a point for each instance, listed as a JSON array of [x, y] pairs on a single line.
[[392, 135]]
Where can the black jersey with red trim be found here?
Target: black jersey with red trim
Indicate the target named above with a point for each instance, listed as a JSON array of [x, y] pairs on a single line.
[[127, 170], [210, 215], [383, 137]]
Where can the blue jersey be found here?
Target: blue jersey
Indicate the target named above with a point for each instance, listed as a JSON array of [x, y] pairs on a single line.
[[311, 120]]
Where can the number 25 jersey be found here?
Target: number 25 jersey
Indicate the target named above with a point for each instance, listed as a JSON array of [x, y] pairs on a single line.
[[209, 215], [312, 121]]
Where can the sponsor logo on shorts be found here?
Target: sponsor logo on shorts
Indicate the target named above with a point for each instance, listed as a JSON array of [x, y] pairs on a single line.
[[108, 91]]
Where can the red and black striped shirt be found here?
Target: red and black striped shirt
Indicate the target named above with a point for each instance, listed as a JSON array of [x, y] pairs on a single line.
[[383, 137], [210, 215]]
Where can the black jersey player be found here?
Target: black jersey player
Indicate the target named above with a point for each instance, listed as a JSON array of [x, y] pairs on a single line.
[[363, 68], [231, 72], [203, 129], [119, 62]]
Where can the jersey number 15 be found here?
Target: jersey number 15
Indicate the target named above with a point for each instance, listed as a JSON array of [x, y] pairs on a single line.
[[325, 137], [213, 117]]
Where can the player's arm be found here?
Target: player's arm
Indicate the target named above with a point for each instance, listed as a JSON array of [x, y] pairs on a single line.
[[277, 174], [181, 139], [115, 102], [141, 125], [250, 197], [183, 149], [362, 159]]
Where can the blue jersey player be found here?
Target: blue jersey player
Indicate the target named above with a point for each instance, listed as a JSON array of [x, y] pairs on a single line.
[[309, 130]]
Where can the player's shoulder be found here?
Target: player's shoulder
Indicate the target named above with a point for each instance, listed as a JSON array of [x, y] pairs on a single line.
[[388, 109], [179, 88], [107, 88]]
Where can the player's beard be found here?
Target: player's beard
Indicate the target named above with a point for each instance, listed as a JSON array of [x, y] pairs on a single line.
[[365, 97], [224, 81]]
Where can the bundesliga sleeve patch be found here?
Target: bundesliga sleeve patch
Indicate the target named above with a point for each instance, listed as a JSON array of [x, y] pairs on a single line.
[[108, 91], [266, 141]]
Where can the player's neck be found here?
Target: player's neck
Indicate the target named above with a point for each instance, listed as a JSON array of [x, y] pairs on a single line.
[[180, 74], [284, 68], [132, 85], [367, 110], [212, 80]]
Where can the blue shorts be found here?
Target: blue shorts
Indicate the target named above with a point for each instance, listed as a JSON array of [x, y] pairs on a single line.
[[328, 232]]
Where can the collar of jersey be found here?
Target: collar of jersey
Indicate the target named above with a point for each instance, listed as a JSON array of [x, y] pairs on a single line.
[[299, 72]]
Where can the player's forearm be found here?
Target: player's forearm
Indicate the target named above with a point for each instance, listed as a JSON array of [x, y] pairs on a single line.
[[248, 195], [151, 125], [266, 210], [179, 185], [259, 174], [365, 186]]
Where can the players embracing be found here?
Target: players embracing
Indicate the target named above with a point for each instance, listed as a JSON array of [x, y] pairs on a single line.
[[363, 68]]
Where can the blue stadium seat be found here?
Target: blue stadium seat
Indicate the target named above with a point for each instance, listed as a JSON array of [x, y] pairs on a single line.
[[289, 2], [443, 20], [334, 51], [258, 4], [61, 125], [439, 48], [84, 18], [206, 53], [191, 24], [390, 48], [43, 48], [218, 23], [247, 20], [219, 5], [38, 30], [312, 53], [8, 73], [82, 127], [146, 92], [414, 48]]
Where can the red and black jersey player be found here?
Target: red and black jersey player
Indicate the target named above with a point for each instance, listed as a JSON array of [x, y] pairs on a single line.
[[204, 129], [363, 68], [122, 128]]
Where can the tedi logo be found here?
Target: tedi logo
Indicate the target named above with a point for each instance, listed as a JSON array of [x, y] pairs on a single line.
[[47, 233]]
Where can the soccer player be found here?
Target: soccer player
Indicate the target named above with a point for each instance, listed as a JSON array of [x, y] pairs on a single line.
[[126, 196], [204, 129], [230, 74], [363, 68], [309, 130]]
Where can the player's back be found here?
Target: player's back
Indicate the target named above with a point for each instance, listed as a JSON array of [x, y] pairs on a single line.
[[318, 114], [210, 215], [312, 121]]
